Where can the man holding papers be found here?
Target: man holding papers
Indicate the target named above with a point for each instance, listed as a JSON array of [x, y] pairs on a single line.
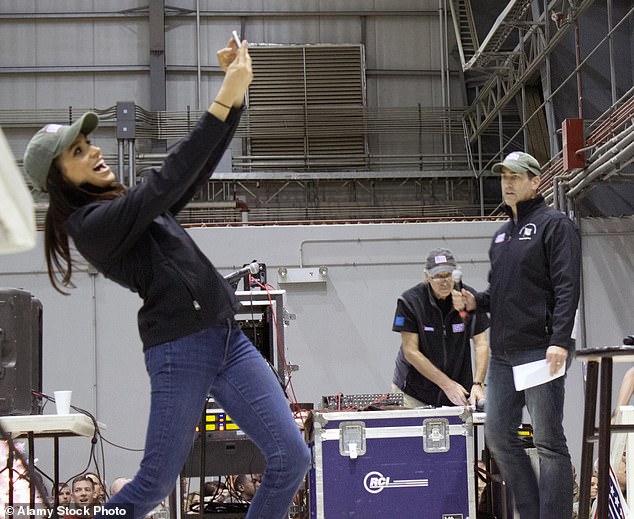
[[532, 298]]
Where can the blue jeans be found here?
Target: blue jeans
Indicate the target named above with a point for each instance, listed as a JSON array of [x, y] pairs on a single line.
[[551, 496], [220, 361]]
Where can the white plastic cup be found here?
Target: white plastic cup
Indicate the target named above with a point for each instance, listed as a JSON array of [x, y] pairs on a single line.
[[62, 401]]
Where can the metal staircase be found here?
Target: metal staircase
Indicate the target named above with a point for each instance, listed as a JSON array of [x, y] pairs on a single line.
[[464, 27], [489, 53]]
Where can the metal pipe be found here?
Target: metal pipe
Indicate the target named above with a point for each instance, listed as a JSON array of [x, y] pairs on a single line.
[[92, 273], [131, 164], [500, 131], [556, 193], [621, 159], [578, 66], [617, 141], [447, 75], [121, 160], [229, 204], [481, 186], [611, 53], [198, 64], [443, 92], [616, 145], [388, 240], [186, 13], [524, 125]]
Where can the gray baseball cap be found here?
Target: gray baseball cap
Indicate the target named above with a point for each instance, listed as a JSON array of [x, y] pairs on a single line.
[[49, 142], [440, 260], [518, 162]]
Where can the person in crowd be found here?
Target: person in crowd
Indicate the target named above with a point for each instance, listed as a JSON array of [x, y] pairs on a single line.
[[83, 499], [594, 486], [64, 494], [192, 344], [626, 389], [118, 484], [246, 486], [532, 298], [621, 473], [192, 503], [433, 365], [100, 490], [216, 491]]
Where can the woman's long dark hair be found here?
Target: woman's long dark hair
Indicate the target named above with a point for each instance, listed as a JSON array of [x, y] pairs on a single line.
[[64, 199]]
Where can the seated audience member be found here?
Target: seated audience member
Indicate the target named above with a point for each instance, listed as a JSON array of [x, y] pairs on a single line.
[[118, 484], [625, 392], [594, 490], [215, 491], [63, 494], [594, 486], [621, 474], [246, 485], [626, 389], [192, 503], [99, 496], [83, 500]]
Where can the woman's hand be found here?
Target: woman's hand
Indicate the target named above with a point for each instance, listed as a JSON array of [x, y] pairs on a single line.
[[238, 74], [227, 55]]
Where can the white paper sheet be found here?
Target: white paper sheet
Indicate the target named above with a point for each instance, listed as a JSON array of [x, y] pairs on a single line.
[[533, 374]]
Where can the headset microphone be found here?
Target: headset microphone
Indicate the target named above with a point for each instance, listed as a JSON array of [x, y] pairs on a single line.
[[456, 275]]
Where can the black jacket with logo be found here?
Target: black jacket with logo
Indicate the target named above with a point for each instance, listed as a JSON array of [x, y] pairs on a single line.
[[445, 341], [534, 280], [135, 240]]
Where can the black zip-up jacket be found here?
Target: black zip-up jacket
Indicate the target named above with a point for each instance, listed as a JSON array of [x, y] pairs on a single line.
[[534, 280], [444, 340], [135, 240]]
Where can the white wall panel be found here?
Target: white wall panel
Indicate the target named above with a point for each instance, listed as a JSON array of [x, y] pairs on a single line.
[[340, 30], [19, 44], [73, 6], [342, 336], [121, 42], [608, 254], [180, 44], [291, 30], [405, 43], [67, 42], [53, 91], [409, 91], [16, 92], [109, 89], [405, 4]]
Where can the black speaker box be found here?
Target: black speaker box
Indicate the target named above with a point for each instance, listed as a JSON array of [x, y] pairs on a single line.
[[20, 352]]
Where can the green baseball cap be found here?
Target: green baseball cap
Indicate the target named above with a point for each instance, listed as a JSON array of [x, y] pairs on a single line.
[[518, 162], [49, 142]]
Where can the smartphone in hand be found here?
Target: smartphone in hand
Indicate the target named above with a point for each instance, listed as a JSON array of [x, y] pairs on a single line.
[[236, 38]]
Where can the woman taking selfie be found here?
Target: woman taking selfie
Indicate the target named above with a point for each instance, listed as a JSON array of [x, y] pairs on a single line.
[[192, 345]]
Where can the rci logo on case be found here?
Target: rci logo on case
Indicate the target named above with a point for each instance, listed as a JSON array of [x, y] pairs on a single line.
[[452, 516], [374, 482]]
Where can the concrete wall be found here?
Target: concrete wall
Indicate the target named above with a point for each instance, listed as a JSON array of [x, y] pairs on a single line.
[[342, 336]]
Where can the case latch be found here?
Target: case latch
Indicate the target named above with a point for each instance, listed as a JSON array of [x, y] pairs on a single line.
[[352, 439], [435, 435]]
